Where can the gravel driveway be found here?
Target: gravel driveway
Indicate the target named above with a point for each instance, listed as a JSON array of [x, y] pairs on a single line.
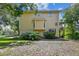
[[45, 48]]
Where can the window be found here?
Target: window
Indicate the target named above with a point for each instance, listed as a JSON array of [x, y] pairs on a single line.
[[49, 14], [39, 14], [39, 24]]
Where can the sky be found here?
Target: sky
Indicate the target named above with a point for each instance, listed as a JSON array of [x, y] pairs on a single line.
[[54, 6]]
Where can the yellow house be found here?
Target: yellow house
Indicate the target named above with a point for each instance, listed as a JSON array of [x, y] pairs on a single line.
[[42, 21]]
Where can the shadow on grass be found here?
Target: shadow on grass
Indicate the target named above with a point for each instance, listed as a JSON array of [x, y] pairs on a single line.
[[4, 43]]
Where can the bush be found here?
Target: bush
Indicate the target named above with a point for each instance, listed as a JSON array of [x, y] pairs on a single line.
[[76, 35], [67, 33], [61, 32], [49, 34], [30, 36]]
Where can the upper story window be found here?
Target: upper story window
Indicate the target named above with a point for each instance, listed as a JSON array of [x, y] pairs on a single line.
[[49, 14], [39, 14]]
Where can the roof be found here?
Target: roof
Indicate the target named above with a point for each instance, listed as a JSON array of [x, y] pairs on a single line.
[[44, 11]]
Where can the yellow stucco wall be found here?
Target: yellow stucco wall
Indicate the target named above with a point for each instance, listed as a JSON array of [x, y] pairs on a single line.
[[26, 23]]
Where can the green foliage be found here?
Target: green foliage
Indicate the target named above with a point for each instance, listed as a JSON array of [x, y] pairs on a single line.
[[16, 9], [30, 36], [76, 37], [71, 16], [49, 34], [61, 33], [9, 42], [67, 33], [10, 13]]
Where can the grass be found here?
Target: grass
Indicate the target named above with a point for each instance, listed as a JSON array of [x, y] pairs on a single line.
[[5, 42]]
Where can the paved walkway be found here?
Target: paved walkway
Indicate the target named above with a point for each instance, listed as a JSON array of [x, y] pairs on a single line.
[[45, 48]]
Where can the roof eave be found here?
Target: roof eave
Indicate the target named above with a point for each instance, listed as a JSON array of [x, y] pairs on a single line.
[[43, 11]]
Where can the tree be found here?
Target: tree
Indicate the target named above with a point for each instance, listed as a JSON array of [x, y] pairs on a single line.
[[18, 9], [71, 16], [11, 12]]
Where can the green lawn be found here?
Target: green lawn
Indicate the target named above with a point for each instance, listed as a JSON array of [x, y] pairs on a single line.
[[6, 42]]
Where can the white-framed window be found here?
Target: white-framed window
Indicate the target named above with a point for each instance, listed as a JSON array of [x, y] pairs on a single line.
[[39, 24], [49, 14], [39, 14]]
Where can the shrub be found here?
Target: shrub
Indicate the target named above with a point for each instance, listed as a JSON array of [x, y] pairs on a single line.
[[67, 33], [61, 32], [30, 36], [76, 35], [50, 34]]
